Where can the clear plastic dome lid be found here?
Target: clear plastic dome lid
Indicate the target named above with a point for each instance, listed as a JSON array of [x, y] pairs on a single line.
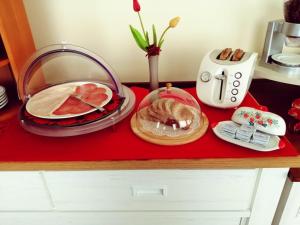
[[64, 63], [169, 112], [68, 90]]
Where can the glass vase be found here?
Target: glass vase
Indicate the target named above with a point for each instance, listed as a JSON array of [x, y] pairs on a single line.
[[153, 72]]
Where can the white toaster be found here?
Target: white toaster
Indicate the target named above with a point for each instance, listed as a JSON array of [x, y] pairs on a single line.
[[224, 83]]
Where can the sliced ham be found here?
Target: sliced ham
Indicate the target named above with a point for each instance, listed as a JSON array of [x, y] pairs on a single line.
[[91, 94], [72, 106], [95, 98], [86, 89]]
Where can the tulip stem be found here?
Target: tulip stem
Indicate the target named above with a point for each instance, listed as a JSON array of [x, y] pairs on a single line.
[[163, 34], [142, 25]]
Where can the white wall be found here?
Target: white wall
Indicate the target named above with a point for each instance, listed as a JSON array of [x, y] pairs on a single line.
[[102, 26]]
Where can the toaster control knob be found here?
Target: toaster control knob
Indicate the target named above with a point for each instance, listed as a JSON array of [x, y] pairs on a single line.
[[238, 75], [236, 83], [233, 99], [234, 91], [205, 76]]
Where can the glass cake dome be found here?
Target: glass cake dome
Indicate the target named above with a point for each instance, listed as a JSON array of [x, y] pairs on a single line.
[[169, 116], [68, 90]]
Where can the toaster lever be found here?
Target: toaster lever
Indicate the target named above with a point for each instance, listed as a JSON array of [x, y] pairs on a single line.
[[220, 76]]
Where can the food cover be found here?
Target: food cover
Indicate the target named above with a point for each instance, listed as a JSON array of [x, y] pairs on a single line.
[[169, 116], [68, 90]]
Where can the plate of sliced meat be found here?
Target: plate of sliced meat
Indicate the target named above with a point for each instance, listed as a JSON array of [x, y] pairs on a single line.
[[69, 100]]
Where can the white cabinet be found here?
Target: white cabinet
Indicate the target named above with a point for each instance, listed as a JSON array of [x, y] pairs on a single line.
[[141, 197]]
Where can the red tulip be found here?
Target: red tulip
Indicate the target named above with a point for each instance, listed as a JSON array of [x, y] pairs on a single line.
[[136, 6]]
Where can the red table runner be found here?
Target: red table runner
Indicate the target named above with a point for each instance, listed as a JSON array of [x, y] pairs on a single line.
[[121, 144]]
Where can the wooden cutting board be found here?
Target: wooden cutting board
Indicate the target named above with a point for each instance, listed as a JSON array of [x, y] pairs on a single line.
[[166, 140]]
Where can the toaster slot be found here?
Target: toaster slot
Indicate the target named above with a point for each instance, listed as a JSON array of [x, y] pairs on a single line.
[[225, 54], [237, 55]]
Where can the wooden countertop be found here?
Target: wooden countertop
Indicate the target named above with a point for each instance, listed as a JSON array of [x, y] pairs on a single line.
[[229, 163], [211, 163]]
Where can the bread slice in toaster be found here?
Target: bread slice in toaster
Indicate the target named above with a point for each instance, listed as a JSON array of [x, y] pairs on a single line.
[[237, 55], [225, 54]]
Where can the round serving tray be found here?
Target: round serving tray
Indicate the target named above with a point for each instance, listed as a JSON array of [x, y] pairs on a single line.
[[165, 140], [55, 131], [43, 103]]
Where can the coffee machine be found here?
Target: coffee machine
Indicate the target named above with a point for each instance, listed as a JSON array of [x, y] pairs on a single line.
[[281, 34], [280, 59]]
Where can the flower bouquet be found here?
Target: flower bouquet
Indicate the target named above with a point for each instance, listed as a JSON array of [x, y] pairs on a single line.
[[151, 48]]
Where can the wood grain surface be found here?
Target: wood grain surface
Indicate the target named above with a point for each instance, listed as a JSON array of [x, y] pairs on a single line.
[[169, 141], [229, 163], [16, 34]]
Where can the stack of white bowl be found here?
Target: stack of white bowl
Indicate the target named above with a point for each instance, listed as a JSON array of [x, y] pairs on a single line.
[[3, 97]]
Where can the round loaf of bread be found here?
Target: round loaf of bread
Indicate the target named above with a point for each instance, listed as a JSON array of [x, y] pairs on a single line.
[[169, 112]]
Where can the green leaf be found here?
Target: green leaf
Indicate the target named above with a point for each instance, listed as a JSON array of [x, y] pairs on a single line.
[[141, 42], [154, 35], [147, 38], [161, 42]]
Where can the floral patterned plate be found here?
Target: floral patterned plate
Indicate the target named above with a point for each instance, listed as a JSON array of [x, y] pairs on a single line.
[[274, 143]]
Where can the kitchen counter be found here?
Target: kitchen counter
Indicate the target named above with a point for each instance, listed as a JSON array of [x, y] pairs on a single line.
[[33, 156], [95, 179]]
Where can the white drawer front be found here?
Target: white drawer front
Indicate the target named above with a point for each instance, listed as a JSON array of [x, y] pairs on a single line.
[[89, 218], [23, 191], [152, 190]]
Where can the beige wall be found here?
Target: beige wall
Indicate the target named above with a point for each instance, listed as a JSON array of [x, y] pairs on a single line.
[[102, 26]]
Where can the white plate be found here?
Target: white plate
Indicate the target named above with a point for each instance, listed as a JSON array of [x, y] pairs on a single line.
[[48, 100], [287, 59], [2, 90], [273, 142], [3, 94], [3, 98], [3, 104]]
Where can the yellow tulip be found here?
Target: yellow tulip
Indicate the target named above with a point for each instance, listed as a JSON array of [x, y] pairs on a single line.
[[173, 22]]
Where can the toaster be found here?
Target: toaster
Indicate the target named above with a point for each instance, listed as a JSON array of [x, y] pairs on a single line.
[[224, 79]]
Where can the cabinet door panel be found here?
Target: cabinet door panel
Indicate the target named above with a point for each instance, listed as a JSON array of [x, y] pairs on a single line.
[[152, 190], [23, 191]]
